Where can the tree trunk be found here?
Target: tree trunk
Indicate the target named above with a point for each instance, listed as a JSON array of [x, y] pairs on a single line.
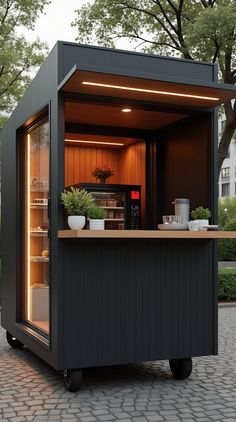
[[225, 143]]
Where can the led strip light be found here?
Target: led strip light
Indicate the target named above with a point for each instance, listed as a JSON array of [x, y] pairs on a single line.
[[93, 142], [28, 229], [149, 91]]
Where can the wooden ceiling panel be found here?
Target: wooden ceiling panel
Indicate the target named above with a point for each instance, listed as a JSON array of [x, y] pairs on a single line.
[[110, 115]]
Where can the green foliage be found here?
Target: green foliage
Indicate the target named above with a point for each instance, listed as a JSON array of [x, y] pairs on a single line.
[[227, 247], [96, 213], [226, 211], [166, 27], [76, 201], [18, 57], [227, 283], [212, 34], [201, 213]]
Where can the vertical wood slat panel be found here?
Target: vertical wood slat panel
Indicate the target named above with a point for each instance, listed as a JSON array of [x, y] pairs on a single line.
[[124, 302], [185, 164], [80, 161]]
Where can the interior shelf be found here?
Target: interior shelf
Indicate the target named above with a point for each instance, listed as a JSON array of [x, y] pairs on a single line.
[[39, 233], [113, 208], [114, 219], [39, 190], [38, 206], [39, 259]]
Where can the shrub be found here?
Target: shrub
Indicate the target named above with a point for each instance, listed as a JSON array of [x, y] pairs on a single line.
[[201, 213], [76, 201], [227, 247], [226, 211], [96, 213], [227, 283]]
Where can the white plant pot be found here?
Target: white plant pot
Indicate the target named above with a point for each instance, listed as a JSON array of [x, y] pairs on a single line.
[[96, 224], [76, 222], [202, 223]]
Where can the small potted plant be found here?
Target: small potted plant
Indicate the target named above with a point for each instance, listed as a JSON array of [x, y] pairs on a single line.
[[201, 215], [77, 203], [96, 218], [102, 173]]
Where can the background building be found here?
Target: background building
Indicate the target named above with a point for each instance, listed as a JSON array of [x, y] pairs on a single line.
[[227, 180]]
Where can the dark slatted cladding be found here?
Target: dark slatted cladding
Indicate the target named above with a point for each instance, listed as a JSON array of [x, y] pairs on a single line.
[[129, 300]]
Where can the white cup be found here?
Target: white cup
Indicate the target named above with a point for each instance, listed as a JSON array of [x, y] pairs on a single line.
[[169, 219], [193, 226]]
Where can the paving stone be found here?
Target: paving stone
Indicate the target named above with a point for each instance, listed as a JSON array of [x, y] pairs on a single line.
[[32, 391]]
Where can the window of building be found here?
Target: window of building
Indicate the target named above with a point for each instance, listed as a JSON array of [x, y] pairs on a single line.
[[225, 172], [225, 189]]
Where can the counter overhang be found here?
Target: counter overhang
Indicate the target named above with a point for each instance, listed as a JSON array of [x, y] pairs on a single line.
[[146, 234]]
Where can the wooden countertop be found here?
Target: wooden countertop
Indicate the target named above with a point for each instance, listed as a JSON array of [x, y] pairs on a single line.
[[146, 234]]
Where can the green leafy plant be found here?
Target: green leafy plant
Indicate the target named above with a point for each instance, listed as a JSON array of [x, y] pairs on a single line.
[[76, 201], [96, 213], [227, 283], [201, 213]]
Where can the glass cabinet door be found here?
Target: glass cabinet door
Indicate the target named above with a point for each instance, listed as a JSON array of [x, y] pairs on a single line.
[[114, 204], [36, 274]]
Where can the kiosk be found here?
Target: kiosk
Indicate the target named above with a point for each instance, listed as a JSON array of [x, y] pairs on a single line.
[[91, 298]]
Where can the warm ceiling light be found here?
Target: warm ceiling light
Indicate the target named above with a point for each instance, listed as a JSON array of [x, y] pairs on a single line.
[[126, 110], [93, 142], [150, 91]]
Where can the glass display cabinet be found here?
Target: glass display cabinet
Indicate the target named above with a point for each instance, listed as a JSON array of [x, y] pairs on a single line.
[[122, 204], [36, 226]]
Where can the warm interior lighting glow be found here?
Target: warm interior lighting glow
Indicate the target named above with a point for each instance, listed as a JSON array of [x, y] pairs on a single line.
[[126, 110], [93, 142], [150, 91], [28, 228]]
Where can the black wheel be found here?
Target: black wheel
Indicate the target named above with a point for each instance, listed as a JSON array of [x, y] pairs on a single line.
[[181, 368], [16, 344], [73, 379]]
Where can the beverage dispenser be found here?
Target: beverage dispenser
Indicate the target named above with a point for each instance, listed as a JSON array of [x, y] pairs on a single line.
[[182, 206]]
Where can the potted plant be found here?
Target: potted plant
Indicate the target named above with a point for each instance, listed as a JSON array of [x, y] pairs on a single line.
[[77, 203], [96, 218], [102, 173], [201, 215]]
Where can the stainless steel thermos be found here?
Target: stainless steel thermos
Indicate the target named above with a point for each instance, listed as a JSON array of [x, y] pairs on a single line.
[[182, 206]]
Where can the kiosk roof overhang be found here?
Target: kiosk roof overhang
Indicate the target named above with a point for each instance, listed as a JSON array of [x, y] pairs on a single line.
[[106, 82]]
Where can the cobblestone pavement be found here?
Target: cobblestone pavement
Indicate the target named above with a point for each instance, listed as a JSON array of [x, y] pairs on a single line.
[[32, 391]]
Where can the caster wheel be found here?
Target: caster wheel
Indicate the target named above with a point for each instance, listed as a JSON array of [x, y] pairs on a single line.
[[181, 368], [13, 342], [73, 379]]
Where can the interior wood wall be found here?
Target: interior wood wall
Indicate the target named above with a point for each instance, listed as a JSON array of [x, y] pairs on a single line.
[[129, 165], [185, 165], [80, 161]]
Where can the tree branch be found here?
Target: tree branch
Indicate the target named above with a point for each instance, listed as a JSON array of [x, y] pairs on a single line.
[[1, 70], [18, 74], [158, 3], [209, 3], [178, 47], [217, 50]]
